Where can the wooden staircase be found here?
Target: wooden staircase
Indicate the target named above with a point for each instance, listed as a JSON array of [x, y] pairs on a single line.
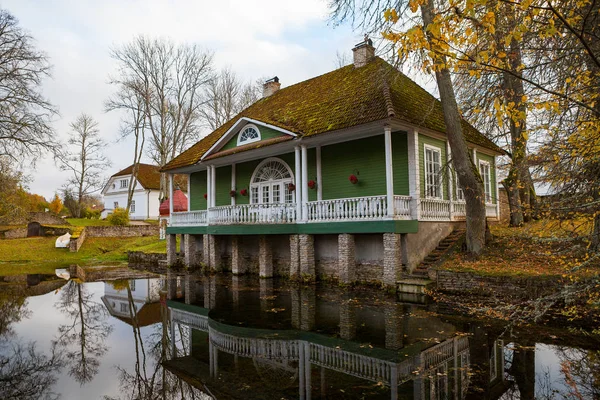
[[442, 248]]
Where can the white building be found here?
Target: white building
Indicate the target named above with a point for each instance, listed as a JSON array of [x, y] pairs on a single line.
[[145, 201], [144, 295]]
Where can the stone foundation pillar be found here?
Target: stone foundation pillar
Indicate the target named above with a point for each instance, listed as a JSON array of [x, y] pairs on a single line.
[[210, 292], [190, 288], [307, 256], [182, 245], [238, 266], [171, 249], [171, 284], [346, 258], [294, 256], [347, 319], [266, 291], [214, 253], [265, 257], [393, 315], [308, 301], [392, 259], [206, 250], [190, 250]]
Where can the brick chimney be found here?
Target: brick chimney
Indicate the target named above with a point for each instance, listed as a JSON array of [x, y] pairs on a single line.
[[271, 86], [363, 52]]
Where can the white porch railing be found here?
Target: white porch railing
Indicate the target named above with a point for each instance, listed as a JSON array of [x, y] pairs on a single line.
[[459, 209], [350, 209], [280, 213], [191, 218], [402, 206], [435, 209]]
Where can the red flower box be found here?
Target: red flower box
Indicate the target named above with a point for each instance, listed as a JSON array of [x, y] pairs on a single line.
[[205, 196], [244, 192], [232, 193], [312, 184], [353, 179], [291, 187]]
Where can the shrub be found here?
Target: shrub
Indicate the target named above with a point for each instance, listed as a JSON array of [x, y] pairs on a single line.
[[119, 217]]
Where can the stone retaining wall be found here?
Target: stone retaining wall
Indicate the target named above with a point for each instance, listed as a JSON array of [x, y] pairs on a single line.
[[139, 257], [465, 282], [76, 243], [17, 233], [122, 231]]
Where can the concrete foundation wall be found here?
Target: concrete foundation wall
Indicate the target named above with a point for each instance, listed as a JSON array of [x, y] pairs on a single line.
[[418, 245]]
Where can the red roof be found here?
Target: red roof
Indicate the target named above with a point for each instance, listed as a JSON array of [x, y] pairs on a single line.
[[179, 203]]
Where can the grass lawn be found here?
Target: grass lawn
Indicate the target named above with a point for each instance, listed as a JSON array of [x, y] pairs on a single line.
[[87, 222], [38, 255], [539, 248]]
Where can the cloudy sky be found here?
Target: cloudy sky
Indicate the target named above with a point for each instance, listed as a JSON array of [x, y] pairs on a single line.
[[290, 39]]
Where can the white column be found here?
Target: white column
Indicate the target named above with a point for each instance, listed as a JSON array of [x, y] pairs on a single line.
[[389, 171], [304, 185], [497, 189], [475, 158], [189, 190], [213, 186], [208, 190], [319, 175], [233, 183], [170, 194], [414, 180], [450, 177], [298, 184]]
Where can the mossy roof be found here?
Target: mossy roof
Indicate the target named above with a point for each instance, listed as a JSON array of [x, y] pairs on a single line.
[[149, 176], [340, 99]]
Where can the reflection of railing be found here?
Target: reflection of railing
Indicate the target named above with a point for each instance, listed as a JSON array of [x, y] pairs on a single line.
[[255, 347], [189, 218], [193, 320], [275, 213]]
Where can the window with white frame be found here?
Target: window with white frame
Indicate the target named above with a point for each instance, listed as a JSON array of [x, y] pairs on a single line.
[[460, 195], [248, 134], [270, 183], [484, 170], [433, 170], [132, 285], [124, 183], [132, 207]]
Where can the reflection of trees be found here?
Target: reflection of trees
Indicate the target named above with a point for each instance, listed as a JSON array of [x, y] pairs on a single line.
[[581, 372], [13, 308], [149, 380], [25, 373], [84, 338]]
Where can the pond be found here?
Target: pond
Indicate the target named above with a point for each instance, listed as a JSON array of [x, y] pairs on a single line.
[[203, 337]]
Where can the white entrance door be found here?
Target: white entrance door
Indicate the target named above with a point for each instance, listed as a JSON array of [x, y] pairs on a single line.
[[270, 193]]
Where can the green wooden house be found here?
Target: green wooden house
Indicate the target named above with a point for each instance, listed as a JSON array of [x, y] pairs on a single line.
[[344, 175]]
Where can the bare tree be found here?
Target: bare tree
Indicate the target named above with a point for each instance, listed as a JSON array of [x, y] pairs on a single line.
[[84, 159], [129, 100], [25, 115], [341, 59], [226, 96], [169, 80]]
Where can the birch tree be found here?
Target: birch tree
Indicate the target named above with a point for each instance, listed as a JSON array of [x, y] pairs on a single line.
[[84, 159], [25, 115], [169, 80]]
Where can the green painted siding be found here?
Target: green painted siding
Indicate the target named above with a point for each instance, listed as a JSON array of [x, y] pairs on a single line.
[[223, 186], [490, 159], [365, 157], [197, 190], [423, 140], [400, 162], [265, 133]]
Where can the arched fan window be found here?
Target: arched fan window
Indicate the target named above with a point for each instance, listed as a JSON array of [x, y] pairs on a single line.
[[270, 182], [248, 134]]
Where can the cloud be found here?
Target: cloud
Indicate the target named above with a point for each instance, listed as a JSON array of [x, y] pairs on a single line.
[[290, 39]]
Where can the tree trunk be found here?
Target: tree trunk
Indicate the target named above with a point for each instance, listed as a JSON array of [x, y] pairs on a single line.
[[468, 176]]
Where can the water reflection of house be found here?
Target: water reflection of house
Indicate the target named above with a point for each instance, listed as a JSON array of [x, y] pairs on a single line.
[[144, 297], [411, 354]]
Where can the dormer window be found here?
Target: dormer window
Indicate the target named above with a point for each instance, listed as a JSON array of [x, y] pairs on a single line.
[[248, 134], [124, 183]]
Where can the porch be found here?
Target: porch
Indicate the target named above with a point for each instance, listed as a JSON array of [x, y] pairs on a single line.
[[358, 209]]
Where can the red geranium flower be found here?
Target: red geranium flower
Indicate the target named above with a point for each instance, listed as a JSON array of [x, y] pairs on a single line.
[[312, 184], [353, 179], [244, 192]]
